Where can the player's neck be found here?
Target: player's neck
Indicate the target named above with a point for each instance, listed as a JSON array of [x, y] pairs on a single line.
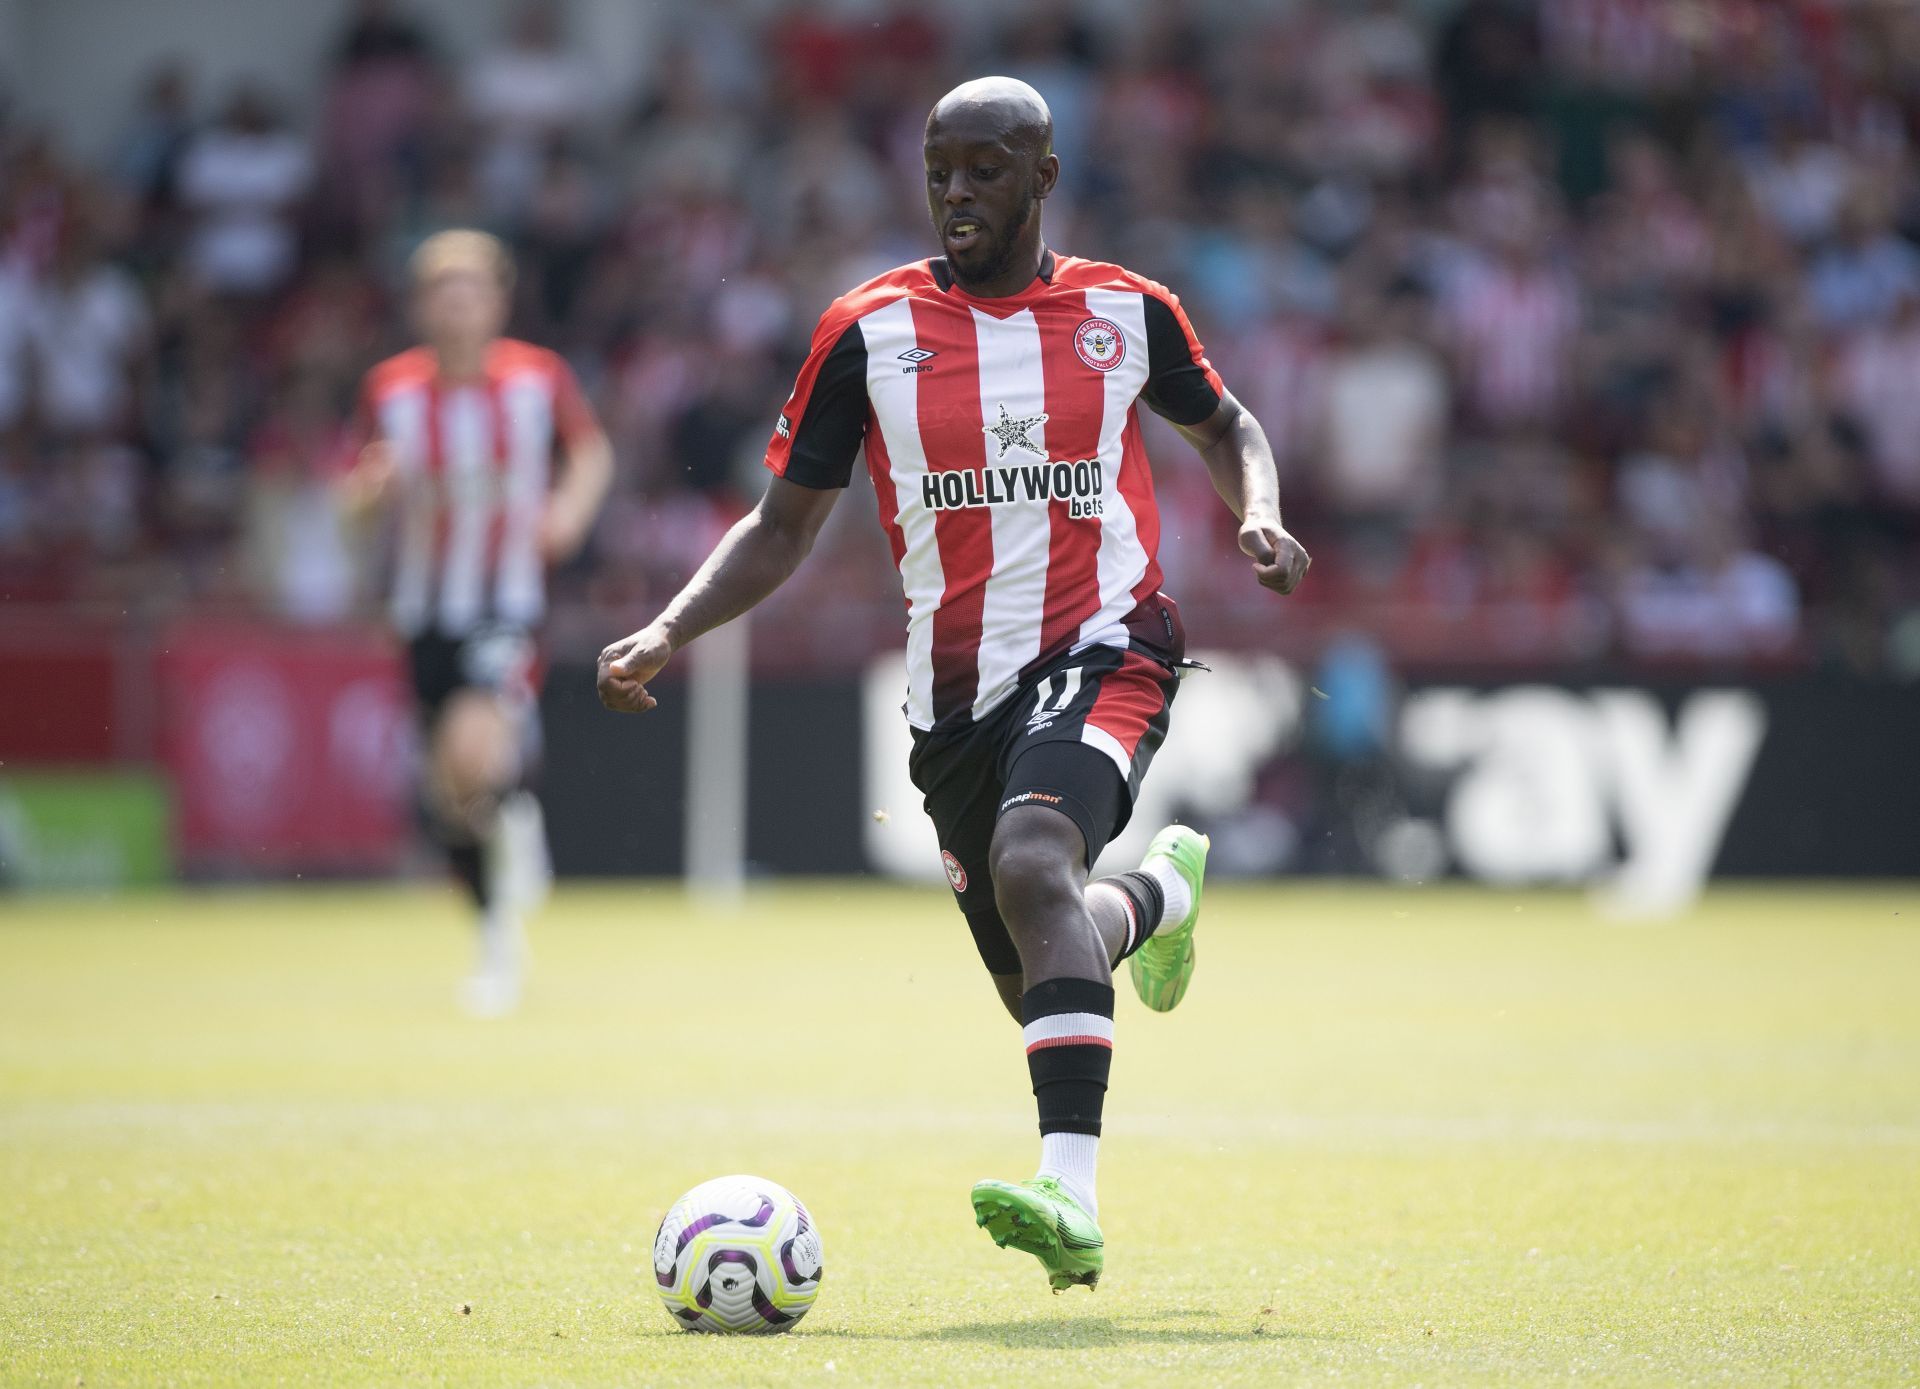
[[1024, 270], [461, 361]]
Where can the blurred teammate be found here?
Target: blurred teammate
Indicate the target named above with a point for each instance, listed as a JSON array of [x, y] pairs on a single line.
[[994, 390], [459, 439]]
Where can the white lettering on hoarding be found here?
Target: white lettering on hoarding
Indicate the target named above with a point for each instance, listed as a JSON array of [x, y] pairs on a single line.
[[1547, 774]]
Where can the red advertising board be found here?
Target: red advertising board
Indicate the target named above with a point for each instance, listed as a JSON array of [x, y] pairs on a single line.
[[289, 749], [60, 689]]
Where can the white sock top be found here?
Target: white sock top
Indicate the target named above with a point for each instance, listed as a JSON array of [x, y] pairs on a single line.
[[1071, 1159], [1173, 888]]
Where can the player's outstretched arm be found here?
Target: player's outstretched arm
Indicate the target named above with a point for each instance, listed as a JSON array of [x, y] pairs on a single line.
[[576, 501], [1240, 459], [753, 559]]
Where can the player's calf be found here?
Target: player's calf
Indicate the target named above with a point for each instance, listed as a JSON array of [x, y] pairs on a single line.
[[1069, 1042], [495, 840]]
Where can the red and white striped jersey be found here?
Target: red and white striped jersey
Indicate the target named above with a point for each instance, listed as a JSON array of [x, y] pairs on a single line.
[[473, 462], [1004, 446]]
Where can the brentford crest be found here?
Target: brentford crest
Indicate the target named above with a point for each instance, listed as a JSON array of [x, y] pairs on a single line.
[[955, 873], [1100, 344]]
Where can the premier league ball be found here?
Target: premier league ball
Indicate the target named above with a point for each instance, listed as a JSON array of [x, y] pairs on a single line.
[[737, 1254]]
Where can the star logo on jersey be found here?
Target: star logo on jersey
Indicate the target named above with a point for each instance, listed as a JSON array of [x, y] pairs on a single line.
[[1015, 433]]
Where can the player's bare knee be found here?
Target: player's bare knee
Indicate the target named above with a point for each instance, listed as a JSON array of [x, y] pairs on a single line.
[[472, 751], [471, 744], [1035, 863]]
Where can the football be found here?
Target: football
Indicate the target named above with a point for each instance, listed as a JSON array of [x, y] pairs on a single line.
[[739, 1255]]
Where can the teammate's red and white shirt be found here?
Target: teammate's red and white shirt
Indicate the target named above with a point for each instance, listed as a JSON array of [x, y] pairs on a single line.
[[473, 461], [1004, 446]]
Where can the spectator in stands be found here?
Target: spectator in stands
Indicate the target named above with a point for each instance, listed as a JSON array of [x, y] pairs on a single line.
[[300, 555], [1387, 406], [1877, 385], [147, 154], [243, 180], [1688, 474], [1801, 181], [1868, 268], [373, 126], [1510, 316], [88, 340], [1712, 596], [526, 94]]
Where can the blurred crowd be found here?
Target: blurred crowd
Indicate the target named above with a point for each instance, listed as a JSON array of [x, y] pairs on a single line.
[[1587, 329]]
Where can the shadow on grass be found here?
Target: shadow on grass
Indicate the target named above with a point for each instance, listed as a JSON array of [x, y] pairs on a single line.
[[1145, 1328]]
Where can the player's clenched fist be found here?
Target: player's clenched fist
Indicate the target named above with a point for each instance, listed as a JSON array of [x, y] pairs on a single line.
[[625, 668], [1279, 561]]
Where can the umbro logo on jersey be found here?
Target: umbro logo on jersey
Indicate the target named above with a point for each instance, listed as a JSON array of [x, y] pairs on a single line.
[[916, 358]]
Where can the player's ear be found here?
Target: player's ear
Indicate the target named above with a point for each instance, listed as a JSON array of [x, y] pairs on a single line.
[[1046, 173]]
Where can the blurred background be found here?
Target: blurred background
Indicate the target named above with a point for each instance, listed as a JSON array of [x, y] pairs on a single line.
[[1588, 332]]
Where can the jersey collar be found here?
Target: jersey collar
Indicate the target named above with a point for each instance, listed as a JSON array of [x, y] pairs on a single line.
[[1005, 304]]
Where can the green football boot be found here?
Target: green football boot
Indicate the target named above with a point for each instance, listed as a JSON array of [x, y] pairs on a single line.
[[1163, 967], [1039, 1217]]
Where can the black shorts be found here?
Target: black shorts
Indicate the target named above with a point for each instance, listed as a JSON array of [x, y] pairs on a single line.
[[1077, 736], [501, 660]]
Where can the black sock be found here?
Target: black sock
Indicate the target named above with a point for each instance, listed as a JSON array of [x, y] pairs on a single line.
[[1069, 1037], [469, 863], [1146, 904]]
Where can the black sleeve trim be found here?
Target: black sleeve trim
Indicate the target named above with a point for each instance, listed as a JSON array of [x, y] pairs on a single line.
[[834, 424], [1177, 386]]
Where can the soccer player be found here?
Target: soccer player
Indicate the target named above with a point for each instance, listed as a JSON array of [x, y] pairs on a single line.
[[458, 438], [994, 389]]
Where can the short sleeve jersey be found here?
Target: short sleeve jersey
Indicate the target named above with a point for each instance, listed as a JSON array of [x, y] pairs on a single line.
[[474, 464], [1003, 440]]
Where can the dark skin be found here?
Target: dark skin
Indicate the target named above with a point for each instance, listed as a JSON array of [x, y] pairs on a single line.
[[990, 164], [990, 167]]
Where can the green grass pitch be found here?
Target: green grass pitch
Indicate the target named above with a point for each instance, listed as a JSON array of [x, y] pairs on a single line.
[[1391, 1137]]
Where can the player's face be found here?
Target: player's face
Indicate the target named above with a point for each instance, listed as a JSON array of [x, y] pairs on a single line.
[[982, 194], [461, 306]]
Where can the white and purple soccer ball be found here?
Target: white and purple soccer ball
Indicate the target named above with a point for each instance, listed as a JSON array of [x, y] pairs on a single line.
[[737, 1254]]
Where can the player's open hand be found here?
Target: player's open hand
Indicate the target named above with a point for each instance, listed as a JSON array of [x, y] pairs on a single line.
[[625, 668], [1279, 561]]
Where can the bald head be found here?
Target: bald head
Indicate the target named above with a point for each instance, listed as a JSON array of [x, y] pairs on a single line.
[[990, 164], [1002, 108]]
